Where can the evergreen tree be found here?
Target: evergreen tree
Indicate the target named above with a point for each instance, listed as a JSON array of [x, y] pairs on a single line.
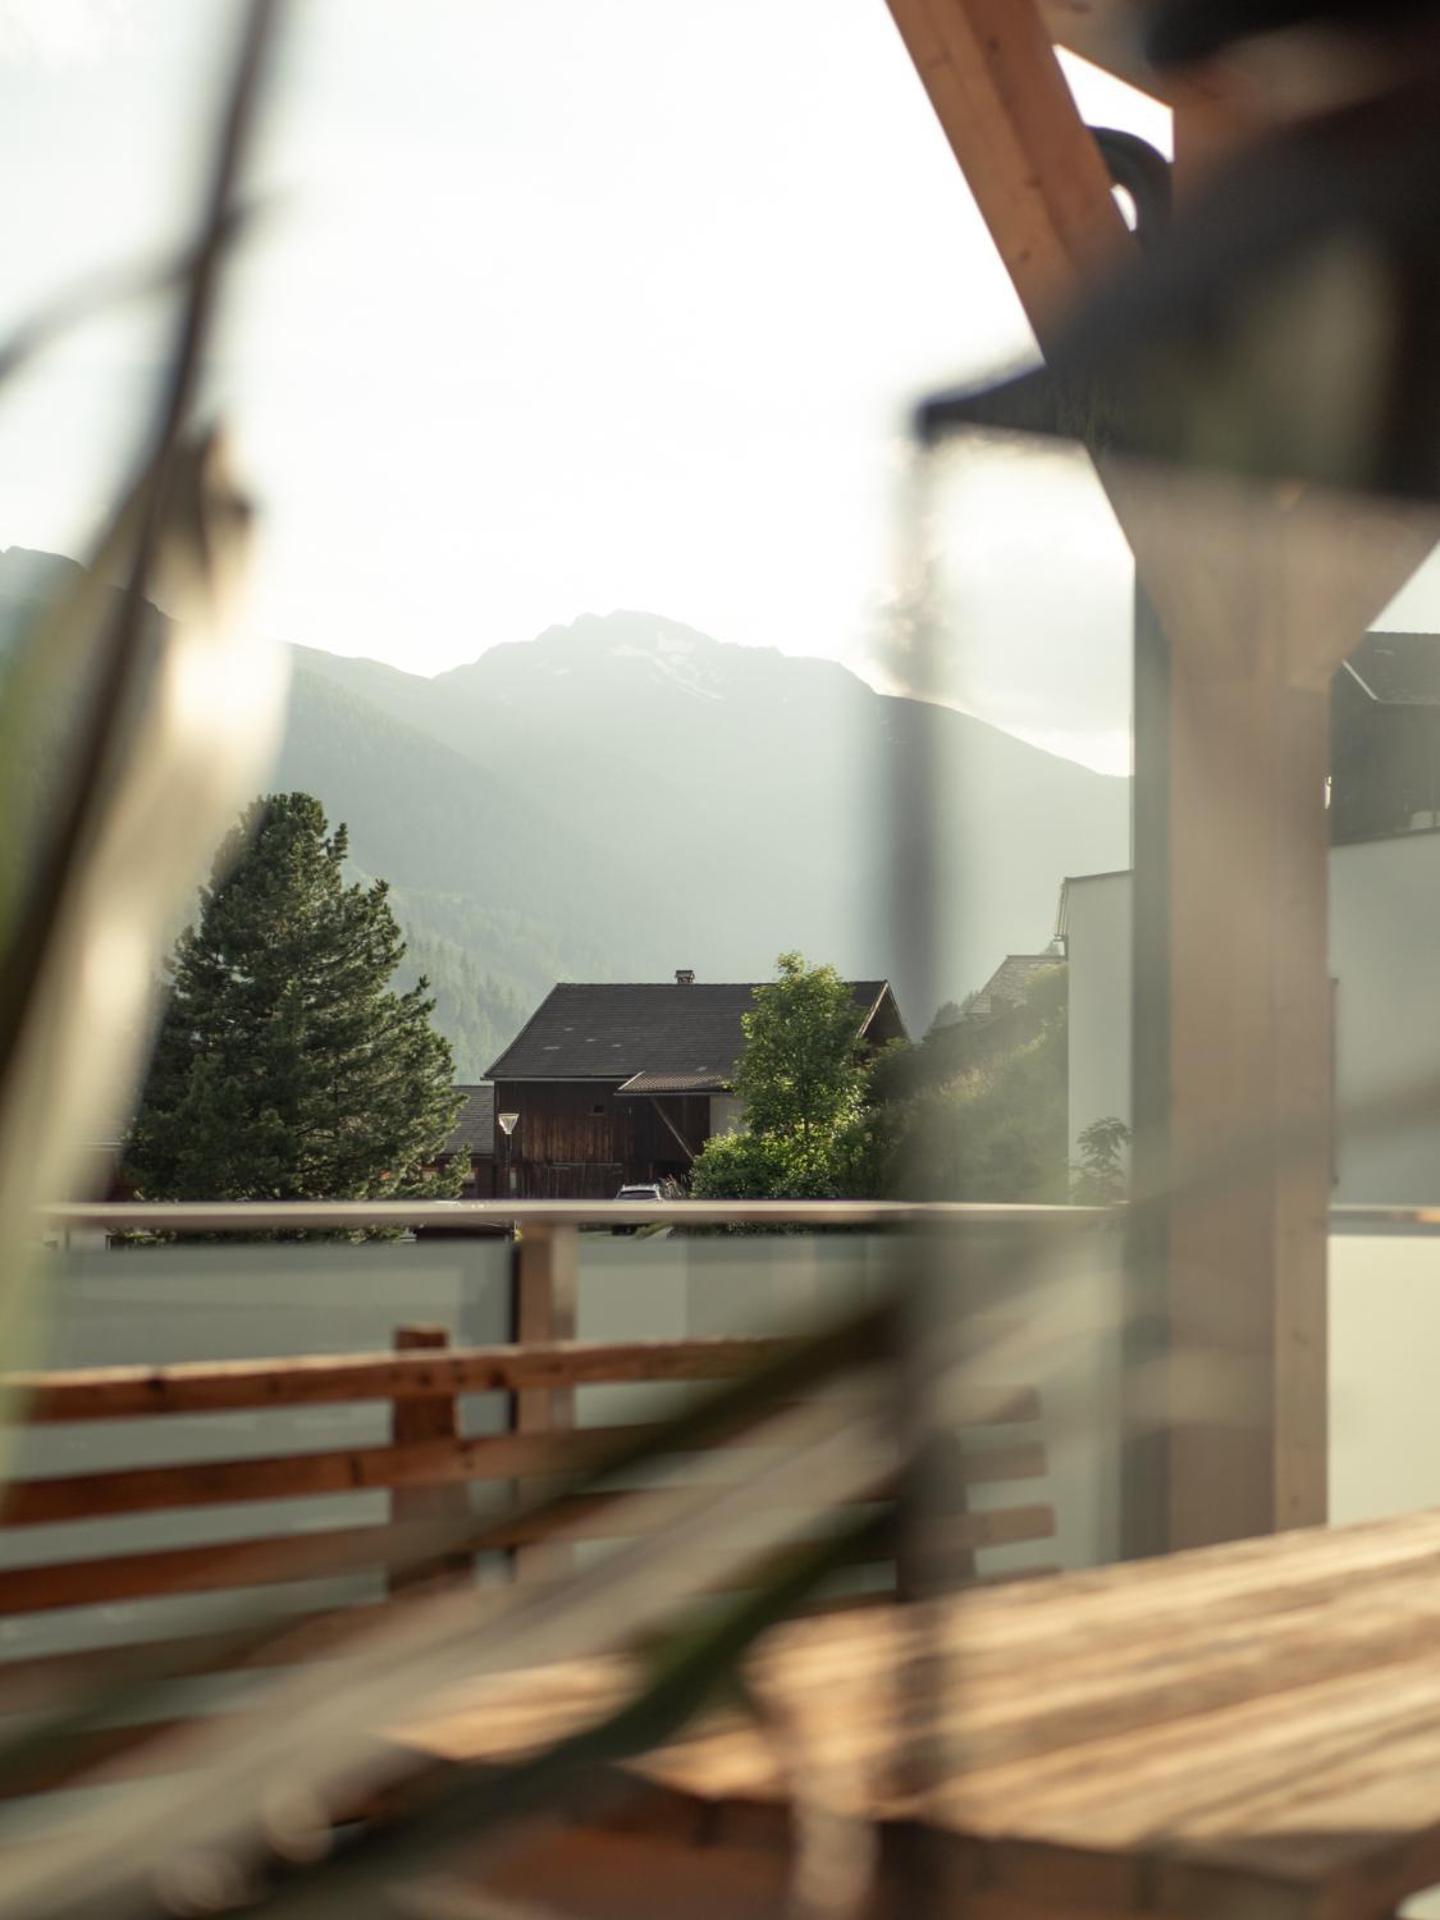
[[285, 1067]]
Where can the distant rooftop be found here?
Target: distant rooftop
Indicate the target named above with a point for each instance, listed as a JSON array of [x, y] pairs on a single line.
[[687, 1032], [1010, 982], [1398, 669], [474, 1130]]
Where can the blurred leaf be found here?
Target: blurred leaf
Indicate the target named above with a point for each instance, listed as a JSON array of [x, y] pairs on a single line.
[[171, 730], [686, 1675], [322, 1730]]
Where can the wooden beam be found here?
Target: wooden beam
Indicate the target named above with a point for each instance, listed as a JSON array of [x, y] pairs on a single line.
[[128, 1393], [547, 1261], [546, 1277], [335, 1554], [1249, 1095], [675, 1132], [439, 1462], [421, 1425], [1036, 174], [420, 1465]]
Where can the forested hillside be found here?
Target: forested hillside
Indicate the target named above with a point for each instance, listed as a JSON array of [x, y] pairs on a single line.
[[624, 795]]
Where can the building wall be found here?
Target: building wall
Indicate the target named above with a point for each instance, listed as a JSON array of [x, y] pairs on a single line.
[[1385, 959], [578, 1140], [1098, 918], [1384, 950]]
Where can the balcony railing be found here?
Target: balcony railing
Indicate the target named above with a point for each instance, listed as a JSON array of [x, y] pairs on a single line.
[[353, 1216]]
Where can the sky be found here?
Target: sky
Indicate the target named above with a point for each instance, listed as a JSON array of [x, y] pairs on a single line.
[[559, 306]]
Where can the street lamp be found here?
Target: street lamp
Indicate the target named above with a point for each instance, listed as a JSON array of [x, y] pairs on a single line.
[[507, 1127]]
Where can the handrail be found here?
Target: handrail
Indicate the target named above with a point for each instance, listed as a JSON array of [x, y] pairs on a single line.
[[314, 1379], [351, 1216]]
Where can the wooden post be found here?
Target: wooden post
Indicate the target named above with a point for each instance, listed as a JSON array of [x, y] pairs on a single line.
[[1232, 1038], [420, 1423], [1249, 1061], [544, 1308]]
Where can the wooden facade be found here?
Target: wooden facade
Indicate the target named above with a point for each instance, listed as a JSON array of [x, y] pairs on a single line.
[[621, 1083], [581, 1140]]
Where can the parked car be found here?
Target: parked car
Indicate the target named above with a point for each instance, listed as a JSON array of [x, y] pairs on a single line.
[[630, 1195]]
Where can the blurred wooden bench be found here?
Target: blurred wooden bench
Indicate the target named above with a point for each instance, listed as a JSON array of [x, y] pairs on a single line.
[[1249, 1731]]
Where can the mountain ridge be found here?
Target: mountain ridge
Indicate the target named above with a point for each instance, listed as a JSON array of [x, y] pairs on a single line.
[[625, 794]]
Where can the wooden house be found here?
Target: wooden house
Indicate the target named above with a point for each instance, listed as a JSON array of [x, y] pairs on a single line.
[[619, 1084]]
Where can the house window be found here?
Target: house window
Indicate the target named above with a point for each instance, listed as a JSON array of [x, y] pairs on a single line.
[[598, 1107]]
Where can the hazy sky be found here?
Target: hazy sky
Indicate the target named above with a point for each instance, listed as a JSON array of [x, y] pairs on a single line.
[[565, 305]]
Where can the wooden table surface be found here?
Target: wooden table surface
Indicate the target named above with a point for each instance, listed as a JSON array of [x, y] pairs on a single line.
[[1250, 1730]]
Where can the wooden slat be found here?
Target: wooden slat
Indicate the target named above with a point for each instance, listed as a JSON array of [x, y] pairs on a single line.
[[338, 1552], [121, 1393], [334, 1553], [206, 1569], [307, 1556], [440, 1463]]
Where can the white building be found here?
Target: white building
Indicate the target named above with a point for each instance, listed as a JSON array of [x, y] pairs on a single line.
[[1385, 962]]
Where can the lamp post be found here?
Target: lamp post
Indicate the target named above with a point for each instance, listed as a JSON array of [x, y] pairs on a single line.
[[507, 1127]]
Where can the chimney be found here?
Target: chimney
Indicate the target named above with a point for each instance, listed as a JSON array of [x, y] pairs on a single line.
[[684, 976]]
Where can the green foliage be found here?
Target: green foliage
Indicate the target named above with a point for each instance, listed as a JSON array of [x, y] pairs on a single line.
[[845, 1165], [803, 1069], [286, 1068], [950, 1014], [812, 1130], [477, 1013], [1100, 1178], [985, 1118]]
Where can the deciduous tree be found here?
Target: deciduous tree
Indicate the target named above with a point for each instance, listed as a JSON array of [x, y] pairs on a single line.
[[811, 1130]]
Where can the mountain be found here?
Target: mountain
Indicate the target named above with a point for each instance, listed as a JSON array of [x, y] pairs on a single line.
[[735, 801], [625, 795]]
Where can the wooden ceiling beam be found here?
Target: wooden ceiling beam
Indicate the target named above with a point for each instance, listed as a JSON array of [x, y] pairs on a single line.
[[1037, 176]]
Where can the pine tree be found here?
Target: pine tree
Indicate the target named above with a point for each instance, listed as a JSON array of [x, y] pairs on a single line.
[[285, 1067]]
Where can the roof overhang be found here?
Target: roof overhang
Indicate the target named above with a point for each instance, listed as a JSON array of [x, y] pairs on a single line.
[[641, 1086]]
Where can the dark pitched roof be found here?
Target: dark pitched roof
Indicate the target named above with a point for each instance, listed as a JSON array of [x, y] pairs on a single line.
[[1011, 980], [605, 1032], [474, 1129]]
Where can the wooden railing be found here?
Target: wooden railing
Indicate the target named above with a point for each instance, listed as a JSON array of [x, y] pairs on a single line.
[[426, 1466]]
